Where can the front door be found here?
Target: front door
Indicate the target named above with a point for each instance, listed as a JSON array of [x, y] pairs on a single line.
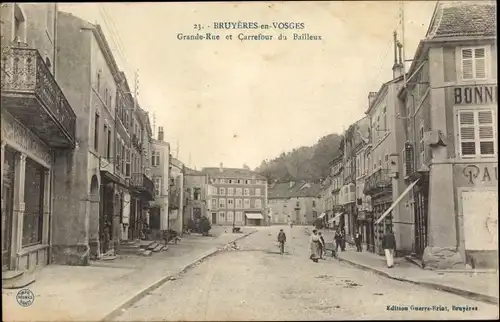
[[214, 218], [7, 203]]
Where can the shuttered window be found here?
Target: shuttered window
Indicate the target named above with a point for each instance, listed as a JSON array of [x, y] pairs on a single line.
[[473, 63], [477, 133]]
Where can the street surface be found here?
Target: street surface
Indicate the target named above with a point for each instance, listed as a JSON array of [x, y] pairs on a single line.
[[255, 282]]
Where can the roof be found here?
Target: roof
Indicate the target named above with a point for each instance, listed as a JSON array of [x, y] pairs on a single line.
[[232, 173], [382, 91], [191, 172], [284, 191], [463, 19]]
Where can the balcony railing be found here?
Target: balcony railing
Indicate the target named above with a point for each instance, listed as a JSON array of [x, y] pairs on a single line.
[[143, 184], [26, 84], [377, 181]]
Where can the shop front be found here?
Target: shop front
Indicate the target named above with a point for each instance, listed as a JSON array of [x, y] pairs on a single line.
[[26, 197], [476, 195]]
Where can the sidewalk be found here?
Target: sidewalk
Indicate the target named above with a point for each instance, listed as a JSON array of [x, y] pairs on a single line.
[[98, 291], [480, 286]]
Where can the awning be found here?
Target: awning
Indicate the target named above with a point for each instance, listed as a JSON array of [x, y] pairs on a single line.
[[254, 215], [337, 216], [395, 203], [322, 215]]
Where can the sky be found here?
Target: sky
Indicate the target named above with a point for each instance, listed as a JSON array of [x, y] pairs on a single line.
[[240, 102]]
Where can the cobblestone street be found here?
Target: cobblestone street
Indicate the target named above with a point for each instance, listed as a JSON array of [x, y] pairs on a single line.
[[254, 282]]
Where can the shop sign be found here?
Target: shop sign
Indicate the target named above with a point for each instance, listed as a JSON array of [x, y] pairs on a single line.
[[476, 95], [484, 173]]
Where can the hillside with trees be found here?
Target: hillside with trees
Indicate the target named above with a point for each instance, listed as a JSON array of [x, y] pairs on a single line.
[[304, 163]]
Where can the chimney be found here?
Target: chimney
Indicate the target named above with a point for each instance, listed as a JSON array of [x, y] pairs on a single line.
[[371, 98], [221, 166], [160, 133], [397, 69]]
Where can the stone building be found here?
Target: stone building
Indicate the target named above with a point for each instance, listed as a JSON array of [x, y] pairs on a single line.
[[337, 178], [237, 197], [297, 202], [196, 191], [160, 172], [107, 152], [450, 158], [38, 127], [176, 196]]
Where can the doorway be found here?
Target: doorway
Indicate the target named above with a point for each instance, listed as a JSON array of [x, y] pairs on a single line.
[[7, 206], [214, 218]]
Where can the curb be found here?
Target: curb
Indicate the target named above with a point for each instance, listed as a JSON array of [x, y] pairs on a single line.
[[467, 294], [118, 310]]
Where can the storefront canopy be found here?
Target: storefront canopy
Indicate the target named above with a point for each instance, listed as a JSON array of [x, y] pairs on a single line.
[[395, 203], [337, 216], [254, 215]]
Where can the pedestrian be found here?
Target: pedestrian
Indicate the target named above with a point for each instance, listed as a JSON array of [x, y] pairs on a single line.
[[342, 239], [389, 246], [281, 241], [357, 240], [321, 245], [314, 244], [338, 240]]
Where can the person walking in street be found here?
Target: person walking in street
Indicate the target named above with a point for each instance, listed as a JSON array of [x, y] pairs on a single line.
[[389, 246], [321, 245], [342, 239], [338, 241], [281, 241], [357, 240], [314, 244]]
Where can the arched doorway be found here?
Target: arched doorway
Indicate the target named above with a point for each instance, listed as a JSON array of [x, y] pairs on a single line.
[[94, 198]]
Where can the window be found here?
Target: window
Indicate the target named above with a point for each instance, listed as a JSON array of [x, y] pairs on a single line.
[[98, 82], [239, 216], [222, 216], [421, 144], [246, 192], [230, 216], [157, 181], [238, 203], [246, 203], [108, 148], [222, 180], [258, 203], [106, 96], [230, 181], [314, 203], [222, 203], [214, 203], [230, 191], [230, 203], [96, 132], [222, 191], [477, 133], [297, 204], [155, 159], [257, 191], [188, 193], [34, 203], [197, 193], [473, 63], [215, 190], [238, 191]]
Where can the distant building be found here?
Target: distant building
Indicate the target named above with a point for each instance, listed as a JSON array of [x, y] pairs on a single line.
[[196, 191], [298, 202], [176, 196], [160, 172], [236, 197], [337, 182]]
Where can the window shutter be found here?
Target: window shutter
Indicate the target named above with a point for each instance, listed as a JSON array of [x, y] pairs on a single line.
[[467, 61], [467, 133], [486, 133], [480, 63]]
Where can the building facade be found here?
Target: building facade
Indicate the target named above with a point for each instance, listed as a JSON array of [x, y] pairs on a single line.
[[236, 197], [450, 158], [363, 202], [38, 127], [160, 172], [337, 175], [296, 202], [176, 196], [196, 192]]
